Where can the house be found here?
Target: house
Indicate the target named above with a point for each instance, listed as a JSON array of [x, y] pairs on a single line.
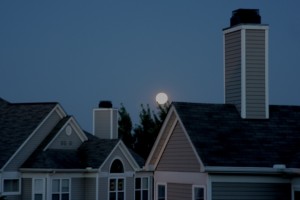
[[243, 149], [45, 155]]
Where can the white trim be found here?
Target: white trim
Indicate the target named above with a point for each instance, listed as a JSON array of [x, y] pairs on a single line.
[[248, 179], [116, 191], [14, 192], [267, 71], [243, 74], [243, 170], [60, 188], [72, 122], [244, 26], [161, 131], [199, 186], [141, 189]]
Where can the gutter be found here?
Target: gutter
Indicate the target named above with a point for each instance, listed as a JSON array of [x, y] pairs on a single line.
[[86, 170]]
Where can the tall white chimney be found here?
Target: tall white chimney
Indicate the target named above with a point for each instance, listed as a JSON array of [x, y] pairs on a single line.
[[105, 121], [246, 64]]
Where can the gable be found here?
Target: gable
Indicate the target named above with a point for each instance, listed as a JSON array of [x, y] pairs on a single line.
[[178, 154], [120, 152], [69, 136]]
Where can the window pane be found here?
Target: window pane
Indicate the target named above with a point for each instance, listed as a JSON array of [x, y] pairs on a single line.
[[38, 197], [120, 195], [121, 184], [161, 191], [112, 185], [38, 185], [112, 196], [137, 183], [55, 185], [65, 196], [198, 193], [145, 183], [65, 185], [138, 195], [55, 196], [11, 185], [145, 194]]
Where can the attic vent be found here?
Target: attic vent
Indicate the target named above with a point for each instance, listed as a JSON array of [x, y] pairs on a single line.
[[245, 16], [105, 104]]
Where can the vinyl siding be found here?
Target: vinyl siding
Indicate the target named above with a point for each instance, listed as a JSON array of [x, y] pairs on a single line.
[[31, 145], [27, 188], [178, 155], [176, 191], [162, 139], [64, 141], [77, 190], [233, 68], [255, 74], [129, 187], [90, 189], [103, 188], [106, 123], [251, 191]]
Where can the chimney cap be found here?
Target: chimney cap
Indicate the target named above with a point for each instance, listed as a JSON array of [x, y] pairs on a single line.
[[245, 16], [105, 104]]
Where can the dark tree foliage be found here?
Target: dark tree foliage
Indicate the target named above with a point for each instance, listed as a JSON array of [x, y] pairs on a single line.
[[125, 127], [142, 137], [146, 132]]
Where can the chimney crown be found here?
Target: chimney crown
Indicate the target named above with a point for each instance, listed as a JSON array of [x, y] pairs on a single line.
[[245, 16]]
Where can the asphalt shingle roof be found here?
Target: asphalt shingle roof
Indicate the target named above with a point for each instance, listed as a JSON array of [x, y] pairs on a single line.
[[222, 138], [17, 122]]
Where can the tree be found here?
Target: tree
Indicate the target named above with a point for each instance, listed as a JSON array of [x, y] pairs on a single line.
[[125, 127], [146, 133]]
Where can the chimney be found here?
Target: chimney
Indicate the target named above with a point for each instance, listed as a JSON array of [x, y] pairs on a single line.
[[246, 64], [105, 121]]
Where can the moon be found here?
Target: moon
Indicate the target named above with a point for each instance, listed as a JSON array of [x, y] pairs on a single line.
[[161, 98]]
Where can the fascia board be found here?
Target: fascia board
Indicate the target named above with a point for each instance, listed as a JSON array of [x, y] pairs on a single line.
[[161, 131], [58, 109], [243, 170]]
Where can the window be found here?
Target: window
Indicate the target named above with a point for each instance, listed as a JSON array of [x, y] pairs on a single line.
[[116, 189], [60, 189], [161, 192], [38, 190], [198, 193], [117, 167], [142, 188], [11, 185]]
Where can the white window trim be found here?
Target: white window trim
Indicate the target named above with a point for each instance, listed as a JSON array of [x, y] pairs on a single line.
[[11, 193], [156, 188], [60, 192], [199, 186], [149, 190], [44, 187], [117, 178]]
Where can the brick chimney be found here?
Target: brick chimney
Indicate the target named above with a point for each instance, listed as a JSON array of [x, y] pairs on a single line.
[[246, 64], [105, 121]]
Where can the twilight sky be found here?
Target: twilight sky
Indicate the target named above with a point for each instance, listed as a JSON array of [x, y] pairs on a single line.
[[79, 52]]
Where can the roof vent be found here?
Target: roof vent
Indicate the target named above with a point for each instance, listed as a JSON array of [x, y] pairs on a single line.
[[245, 16], [105, 104]]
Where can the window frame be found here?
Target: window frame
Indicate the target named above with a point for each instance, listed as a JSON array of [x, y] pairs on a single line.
[[60, 193], [141, 189], [201, 187], [116, 191], [43, 188], [157, 191], [11, 192]]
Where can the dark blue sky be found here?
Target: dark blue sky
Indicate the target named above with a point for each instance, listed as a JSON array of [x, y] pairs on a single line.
[[80, 52]]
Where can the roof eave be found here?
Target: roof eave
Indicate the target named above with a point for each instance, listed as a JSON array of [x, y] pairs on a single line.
[[47, 170], [250, 170]]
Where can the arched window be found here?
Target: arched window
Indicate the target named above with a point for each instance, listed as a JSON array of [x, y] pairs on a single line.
[[117, 167]]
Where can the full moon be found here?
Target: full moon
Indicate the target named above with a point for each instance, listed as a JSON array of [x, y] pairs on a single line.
[[161, 98]]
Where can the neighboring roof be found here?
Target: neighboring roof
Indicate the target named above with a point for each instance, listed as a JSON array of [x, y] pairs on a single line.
[[17, 123], [94, 151], [222, 138], [139, 160]]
